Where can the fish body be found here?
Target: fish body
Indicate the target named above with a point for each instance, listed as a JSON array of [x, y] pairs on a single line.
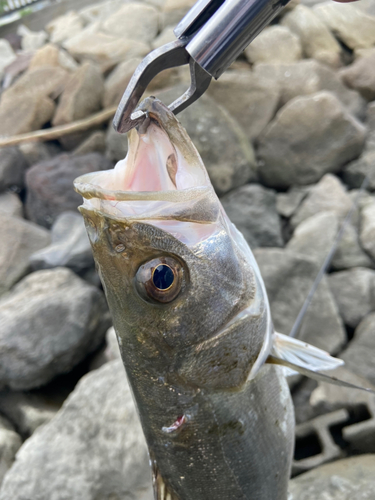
[[193, 322]]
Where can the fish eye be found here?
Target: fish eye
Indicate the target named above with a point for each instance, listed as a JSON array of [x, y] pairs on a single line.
[[160, 279]]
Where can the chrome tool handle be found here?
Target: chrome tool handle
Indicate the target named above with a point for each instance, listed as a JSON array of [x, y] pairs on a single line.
[[223, 29]]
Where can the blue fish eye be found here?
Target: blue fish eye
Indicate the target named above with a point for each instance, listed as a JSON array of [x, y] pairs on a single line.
[[163, 277]]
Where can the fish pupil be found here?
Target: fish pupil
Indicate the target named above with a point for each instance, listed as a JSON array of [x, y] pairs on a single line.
[[163, 277]]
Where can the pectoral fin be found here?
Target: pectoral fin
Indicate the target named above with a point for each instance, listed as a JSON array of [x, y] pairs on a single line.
[[307, 360]]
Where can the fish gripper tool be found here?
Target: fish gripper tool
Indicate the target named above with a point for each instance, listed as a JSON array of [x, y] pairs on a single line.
[[209, 38]]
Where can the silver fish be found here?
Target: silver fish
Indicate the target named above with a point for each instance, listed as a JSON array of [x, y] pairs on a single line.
[[192, 317]]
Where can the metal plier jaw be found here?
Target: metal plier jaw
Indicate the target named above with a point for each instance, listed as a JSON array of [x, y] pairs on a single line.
[[209, 38]]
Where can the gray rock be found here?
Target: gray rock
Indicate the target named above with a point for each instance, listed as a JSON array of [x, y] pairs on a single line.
[[287, 203], [27, 411], [329, 195], [34, 152], [371, 116], [93, 449], [7, 55], [116, 144], [175, 10], [314, 236], [117, 81], [308, 77], [18, 240], [354, 293], [250, 99], [10, 442], [64, 27], [356, 171], [349, 252], [99, 11], [6, 424], [349, 479], [20, 115], [276, 44], [222, 144], [359, 355], [95, 143], [50, 185], [309, 137], [102, 49], [12, 168], [166, 36], [50, 55], [31, 40], [316, 39], [349, 24], [10, 204], [58, 318], [367, 231], [82, 95], [360, 76], [252, 208], [70, 246], [134, 21], [288, 278], [110, 352]]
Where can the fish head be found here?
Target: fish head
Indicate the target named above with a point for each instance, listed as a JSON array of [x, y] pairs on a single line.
[[185, 293]]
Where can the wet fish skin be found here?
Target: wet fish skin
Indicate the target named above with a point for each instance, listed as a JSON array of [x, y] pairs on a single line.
[[213, 431]]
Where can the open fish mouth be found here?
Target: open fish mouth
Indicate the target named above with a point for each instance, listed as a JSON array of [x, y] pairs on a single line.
[[162, 180]]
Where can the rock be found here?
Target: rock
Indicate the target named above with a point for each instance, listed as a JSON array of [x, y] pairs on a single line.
[[276, 44], [110, 352], [10, 204], [95, 143], [6, 424], [50, 55], [309, 137], [308, 77], [166, 36], [44, 81], [359, 355], [31, 40], [349, 479], [60, 460], [27, 410], [104, 50], [12, 168], [134, 21], [252, 208], [250, 99], [231, 162], [354, 293], [371, 116], [64, 27], [70, 246], [314, 236], [287, 203], [34, 152], [329, 195], [360, 76], [99, 11], [175, 10], [20, 115], [356, 171], [7, 55], [18, 240], [349, 252], [10, 442], [59, 319], [367, 229], [82, 95], [116, 144], [316, 39], [350, 25], [288, 278], [116, 83], [50, 185]]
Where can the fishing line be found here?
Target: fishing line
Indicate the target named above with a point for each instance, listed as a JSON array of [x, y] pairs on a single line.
[[328, 259]]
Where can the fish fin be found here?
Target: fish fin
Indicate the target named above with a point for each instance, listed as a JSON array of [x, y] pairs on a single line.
[[302, 354], [307, 360], [161, 490]]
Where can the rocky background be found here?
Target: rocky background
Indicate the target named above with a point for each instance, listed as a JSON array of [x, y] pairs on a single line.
[[287, 135]]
